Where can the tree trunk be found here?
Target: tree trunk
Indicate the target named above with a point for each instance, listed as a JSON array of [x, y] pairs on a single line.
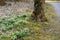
[[38, 13]]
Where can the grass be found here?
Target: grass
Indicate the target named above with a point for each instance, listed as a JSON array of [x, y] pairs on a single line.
[[36, 30]]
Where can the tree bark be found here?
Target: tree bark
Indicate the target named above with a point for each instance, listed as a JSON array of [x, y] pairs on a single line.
[[38, 13]]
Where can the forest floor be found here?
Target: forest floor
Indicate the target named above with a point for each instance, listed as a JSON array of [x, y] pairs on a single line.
[[19, 14]]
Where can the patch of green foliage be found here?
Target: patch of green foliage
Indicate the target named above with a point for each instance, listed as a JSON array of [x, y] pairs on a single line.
[[19, 34], [8, 24], [16, 34]]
